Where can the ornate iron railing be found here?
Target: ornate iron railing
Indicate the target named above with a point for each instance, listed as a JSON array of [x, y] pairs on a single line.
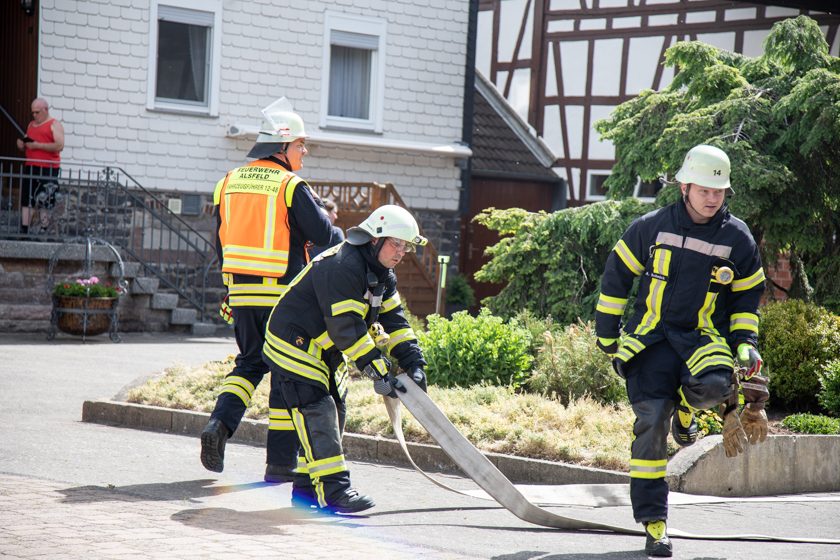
[[106, 202], [356, 201]]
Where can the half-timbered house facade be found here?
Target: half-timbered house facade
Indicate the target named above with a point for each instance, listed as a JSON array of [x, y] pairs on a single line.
[[565, 64]]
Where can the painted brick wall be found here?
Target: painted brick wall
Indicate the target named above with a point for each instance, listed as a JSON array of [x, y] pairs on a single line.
[[94, 64]]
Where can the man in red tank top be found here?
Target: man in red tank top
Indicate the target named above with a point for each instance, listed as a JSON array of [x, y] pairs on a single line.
[[42, 146]]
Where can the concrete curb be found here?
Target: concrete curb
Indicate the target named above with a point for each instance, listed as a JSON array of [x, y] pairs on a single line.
[[784, 464], [781, 465], [356, 446]]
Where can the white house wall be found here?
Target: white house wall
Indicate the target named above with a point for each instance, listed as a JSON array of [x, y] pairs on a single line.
[[94, 59]]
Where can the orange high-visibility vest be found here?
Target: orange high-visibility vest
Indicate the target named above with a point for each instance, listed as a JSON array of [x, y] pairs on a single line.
[[254, 203]]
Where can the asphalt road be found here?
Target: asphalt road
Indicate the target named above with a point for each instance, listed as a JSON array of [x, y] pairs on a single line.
[[74, 490]]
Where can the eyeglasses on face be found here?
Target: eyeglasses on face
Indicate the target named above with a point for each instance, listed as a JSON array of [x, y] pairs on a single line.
[[401, 245]]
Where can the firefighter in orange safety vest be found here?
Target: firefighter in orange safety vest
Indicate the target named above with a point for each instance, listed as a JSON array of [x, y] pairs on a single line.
[[700, 281], [266, 215]]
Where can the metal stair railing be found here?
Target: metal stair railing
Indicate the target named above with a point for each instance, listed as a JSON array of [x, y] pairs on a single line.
[[108, 203]]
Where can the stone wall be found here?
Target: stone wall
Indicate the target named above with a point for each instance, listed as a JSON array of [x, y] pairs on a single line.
[[25, 288]]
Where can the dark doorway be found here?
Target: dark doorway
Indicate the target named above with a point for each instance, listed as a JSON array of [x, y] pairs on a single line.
[[18, 69], [498, 193]]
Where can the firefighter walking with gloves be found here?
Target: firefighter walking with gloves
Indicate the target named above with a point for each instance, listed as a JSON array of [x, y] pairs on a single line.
[[700, 281], [329, 314], [266, 214]]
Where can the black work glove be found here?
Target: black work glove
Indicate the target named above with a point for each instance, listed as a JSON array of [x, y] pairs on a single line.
[[388, 386], [618, 367], [417, 374]]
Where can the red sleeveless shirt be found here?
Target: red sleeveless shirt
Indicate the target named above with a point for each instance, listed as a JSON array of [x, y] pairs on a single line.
[[42, 133]]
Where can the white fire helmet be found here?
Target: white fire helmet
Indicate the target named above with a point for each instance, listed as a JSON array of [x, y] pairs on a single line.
[[387, 221], [281, 125], [705, 166]]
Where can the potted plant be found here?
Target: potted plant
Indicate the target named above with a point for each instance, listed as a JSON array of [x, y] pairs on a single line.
[[84, 306]]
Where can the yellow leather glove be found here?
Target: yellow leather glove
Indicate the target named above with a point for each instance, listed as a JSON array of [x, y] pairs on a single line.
[[225, 311], [734, 437], [754, 422]]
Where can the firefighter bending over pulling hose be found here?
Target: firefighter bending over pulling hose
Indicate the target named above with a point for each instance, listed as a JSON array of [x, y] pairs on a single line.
[[700, 283], [324, 317]]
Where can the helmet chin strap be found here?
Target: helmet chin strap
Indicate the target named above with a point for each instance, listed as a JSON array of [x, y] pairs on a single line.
[[686, 200]]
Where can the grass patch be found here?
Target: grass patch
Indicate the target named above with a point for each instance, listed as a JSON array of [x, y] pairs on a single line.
[[494, 419]]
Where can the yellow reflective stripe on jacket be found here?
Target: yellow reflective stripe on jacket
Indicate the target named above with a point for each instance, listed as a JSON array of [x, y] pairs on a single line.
[[360, 347], [324, 341], [715, 360], [400, 335], [661, 267], [628, 348], [265, 294], [342, 377], [349, 306], [716, 344], [311, 358], [743, 322], [704, 314], [391, 303], [626, 255], [240, 387], [217, 190], [751, 281], [284, 361], [279, 420], [611, 305], [648, 468]]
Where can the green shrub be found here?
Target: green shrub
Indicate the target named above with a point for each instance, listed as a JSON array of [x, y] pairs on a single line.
[[569, 366], [552, 263], [536, 327], [459, 291], [466, 350], [829, 395], [812, 424], [797, 340]]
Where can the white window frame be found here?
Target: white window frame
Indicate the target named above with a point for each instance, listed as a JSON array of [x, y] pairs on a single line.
[[589, 175], [334, 21], [212, 107]]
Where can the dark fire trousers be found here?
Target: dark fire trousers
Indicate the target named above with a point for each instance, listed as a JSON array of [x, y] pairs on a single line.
[[249, 325], [318, 416], [653, 379]]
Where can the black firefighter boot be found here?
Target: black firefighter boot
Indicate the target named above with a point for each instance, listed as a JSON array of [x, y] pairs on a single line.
[[213, 440], [657, 542], [350, 501]]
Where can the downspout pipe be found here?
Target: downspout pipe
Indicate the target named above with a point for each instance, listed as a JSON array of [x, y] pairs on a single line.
[[469, 107]]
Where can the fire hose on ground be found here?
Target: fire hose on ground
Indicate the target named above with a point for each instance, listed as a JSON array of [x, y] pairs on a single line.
[[496, 486]]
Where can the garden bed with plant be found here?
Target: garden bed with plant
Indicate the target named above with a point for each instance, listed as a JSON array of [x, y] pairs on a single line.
[[529, 387]]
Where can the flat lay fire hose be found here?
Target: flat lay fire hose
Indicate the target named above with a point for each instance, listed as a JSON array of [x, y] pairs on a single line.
[[497, 487]]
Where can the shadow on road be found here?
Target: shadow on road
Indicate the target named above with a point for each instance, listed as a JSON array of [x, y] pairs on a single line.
[[190, 490]]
